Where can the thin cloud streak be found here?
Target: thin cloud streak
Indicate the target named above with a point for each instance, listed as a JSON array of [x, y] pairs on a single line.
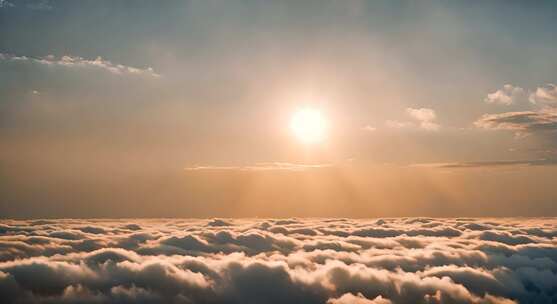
[[79, 62], [482, 164], [525, 121], [266, 166]]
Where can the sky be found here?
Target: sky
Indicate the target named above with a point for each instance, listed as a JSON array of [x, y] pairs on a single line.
[[184, 108]]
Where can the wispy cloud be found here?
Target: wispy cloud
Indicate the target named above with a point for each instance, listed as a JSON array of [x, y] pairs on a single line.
[[369, 128], [483, 164], [41, 5], [542, 118], [6, 3], [79, 62], [524, 122], [270, 166], [395, 124]]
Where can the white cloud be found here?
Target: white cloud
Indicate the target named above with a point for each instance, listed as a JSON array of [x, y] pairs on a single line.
[[430, 126], [545, 95], [421, 114], [395, 124], [6, 3], [335, 261], [425, 117], [79, 62], [507, 95], [541, 120], [369, 128], [349, 298], [41, 5]]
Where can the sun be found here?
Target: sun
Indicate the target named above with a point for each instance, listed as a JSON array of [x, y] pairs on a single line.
[[308, 125]]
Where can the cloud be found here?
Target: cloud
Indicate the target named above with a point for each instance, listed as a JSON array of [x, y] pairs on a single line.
[[6, 3], [542, 119], [333, 261], [489, 164], [369, 128], [545, 95], [271, 166], [349, 298], [507, 95], [395, 124], [425, 117], [524, 122], [421, 114], [79, 62], [42, 5]]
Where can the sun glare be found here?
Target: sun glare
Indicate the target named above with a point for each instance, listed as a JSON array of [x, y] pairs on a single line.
[[308, 125]]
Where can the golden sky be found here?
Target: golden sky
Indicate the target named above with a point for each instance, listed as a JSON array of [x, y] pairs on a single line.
[[311, 108]]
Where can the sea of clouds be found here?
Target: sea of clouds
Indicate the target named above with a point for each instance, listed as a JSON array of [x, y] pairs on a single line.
[[333, 261]]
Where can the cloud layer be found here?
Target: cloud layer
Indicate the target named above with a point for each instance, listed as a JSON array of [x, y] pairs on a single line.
[[337, 261]]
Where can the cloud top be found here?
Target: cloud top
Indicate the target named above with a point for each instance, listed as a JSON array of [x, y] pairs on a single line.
[[336, 261], [507, 95], [425, 117]]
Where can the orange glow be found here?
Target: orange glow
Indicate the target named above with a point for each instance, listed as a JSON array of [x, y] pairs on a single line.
[[309, 125]]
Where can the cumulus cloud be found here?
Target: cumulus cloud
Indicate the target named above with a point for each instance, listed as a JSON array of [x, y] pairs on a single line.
[[79, 62], [349, 298], [270, 166], [421, 114], [507, 95], [545, 95], [333, 261], [425, 118], [542, 119]]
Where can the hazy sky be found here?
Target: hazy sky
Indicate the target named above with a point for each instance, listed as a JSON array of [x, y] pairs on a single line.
[[182, 108]]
